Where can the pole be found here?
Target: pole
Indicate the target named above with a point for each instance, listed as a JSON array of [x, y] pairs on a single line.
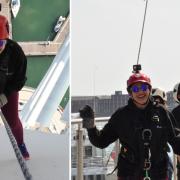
[[117, 149], [79, 153]]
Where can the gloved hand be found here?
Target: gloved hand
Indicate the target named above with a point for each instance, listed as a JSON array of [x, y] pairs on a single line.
[[3, 100], [87, 114]]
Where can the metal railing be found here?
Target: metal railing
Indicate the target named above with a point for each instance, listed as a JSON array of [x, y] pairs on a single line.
[[80, 162], [96, 161]]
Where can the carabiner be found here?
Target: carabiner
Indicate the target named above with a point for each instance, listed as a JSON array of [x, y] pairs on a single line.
[[146, 178]]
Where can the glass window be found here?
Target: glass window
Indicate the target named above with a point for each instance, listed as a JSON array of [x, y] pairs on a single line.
[[98, 177], [73, 178], [88, 151], [90, 177]]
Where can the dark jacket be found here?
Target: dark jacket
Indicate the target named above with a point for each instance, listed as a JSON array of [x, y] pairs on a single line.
[[127, 124], [176, 114], [13, 64]]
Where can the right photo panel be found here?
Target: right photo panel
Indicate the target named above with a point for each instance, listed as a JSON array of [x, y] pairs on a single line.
[[125, 90]]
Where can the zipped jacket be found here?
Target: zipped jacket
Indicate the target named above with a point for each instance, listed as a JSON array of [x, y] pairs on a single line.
[[13, 64]]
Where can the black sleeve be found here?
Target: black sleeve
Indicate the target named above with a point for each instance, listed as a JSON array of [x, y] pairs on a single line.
[[175, 143], [173, 120], [176, 115], [20, 72], [19, 77], [173, 133], [102, 138]]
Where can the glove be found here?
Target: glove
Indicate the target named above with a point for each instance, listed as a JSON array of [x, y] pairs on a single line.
[[87, 114], [3, 100]]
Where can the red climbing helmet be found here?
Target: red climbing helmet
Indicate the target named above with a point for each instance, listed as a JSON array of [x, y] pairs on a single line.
[[138, 77], [4, 27]]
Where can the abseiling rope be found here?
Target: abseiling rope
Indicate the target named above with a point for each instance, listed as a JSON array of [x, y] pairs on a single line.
[[19, 156], [139, 51]]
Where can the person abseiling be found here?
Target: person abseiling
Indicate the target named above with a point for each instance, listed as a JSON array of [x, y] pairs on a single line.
[[13, 64], [143, 129]]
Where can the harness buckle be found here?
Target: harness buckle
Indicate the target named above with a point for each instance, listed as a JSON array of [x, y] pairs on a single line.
[[146, 135], [147, 165]]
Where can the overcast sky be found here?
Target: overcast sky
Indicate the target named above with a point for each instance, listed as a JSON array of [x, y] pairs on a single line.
[[105, 36]]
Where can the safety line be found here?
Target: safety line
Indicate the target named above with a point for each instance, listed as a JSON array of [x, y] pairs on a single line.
[[139, 51]]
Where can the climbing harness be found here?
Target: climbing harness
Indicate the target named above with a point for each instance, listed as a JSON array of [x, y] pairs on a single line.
[[146, 137], [19, 157]]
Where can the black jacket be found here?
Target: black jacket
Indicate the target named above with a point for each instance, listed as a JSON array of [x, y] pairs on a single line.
[[13, 64], [127, 124], [176, 114]]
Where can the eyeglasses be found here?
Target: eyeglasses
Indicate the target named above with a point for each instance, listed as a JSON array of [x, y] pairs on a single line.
[[136, 88], [2, 42]]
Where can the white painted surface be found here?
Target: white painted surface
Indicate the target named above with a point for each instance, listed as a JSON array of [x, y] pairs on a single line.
[[49, 156]]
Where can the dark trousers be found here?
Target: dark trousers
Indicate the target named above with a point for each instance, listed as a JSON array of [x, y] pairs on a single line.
[[10, 112]]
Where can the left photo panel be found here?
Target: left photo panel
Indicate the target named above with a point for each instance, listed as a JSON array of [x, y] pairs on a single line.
[[34, 89]]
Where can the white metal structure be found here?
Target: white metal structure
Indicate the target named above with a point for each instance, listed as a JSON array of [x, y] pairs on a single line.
[[45, 100], [49, 156]]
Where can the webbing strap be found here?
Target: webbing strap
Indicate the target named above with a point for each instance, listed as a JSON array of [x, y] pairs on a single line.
[[146, 137], [19, 156]]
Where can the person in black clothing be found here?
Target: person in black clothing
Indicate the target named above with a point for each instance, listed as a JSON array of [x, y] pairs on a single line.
[[176, 114], [13, 65], [143, 128], [176, 96], [160, 97]]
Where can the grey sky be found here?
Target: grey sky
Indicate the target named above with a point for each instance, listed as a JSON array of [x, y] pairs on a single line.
[[105, 39]]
